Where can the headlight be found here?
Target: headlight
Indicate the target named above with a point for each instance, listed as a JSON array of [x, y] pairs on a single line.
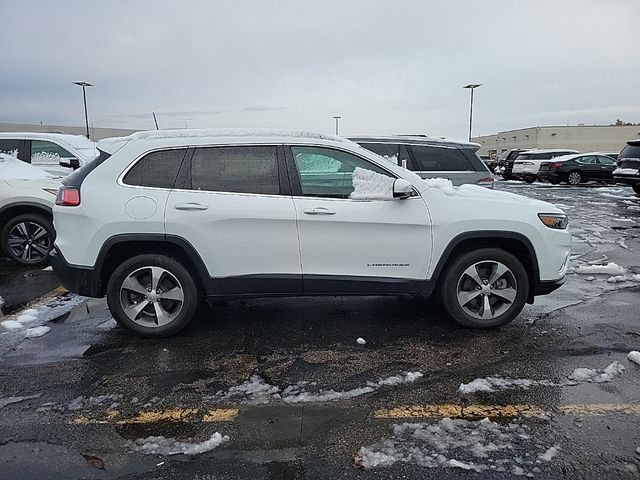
[[558, 221]]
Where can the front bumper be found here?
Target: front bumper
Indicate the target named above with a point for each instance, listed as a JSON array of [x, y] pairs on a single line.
[[627, 179], [546, 287], [81, 280]]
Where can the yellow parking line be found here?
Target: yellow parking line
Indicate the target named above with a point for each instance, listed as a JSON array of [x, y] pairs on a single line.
[[460, 411], [175, 414], [600, 409], [220, 415]]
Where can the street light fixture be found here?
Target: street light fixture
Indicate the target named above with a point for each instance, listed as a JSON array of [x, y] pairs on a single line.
[[84, 97], [472, 87], [337, 119]]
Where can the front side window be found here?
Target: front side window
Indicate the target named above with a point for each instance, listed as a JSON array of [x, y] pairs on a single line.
[[434, 159], [43, 152], [242, 169], [325, 172], [156, 169]]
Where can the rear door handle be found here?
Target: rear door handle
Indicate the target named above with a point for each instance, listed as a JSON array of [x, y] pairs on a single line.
[[190, 206], [318, 211]]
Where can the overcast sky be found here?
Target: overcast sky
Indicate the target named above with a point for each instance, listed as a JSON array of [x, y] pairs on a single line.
[[385, 66]]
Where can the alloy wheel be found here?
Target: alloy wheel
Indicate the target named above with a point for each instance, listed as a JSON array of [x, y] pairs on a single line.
[[487, 290], [574, 178], [29, 241], [151, 296]]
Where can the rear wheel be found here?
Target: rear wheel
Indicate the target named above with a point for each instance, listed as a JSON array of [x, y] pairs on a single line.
[[636, 189], [152, 295], [574, 178], [529, 179], [28, 239], [485, 288]]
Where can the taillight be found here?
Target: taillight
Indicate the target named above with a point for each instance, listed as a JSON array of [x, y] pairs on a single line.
[[555, 166], [485, 182], [68, 197]]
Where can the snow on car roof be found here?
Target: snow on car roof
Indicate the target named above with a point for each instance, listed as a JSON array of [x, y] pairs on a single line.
[[12, 168], [409, 139], [548, 150], [75, 141], [111, 144]]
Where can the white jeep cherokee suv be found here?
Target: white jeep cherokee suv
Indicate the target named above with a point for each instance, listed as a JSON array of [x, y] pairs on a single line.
[[162, 219]]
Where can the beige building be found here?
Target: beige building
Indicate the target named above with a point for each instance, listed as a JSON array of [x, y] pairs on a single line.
[[94, 133], [584, 138]]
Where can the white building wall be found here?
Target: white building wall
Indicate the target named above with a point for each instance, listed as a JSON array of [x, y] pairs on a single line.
[[600, 138]]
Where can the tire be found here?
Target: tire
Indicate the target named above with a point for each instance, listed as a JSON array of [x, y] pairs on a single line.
[[636, 189], [514, 283], [574, 177], [176, 297], [38, 234], [529, 179]]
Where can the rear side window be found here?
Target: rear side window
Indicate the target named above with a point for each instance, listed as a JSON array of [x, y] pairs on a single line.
[[391, 151], [432, 159], [251, 169], [157, 169], [12, 147], [630, 151]]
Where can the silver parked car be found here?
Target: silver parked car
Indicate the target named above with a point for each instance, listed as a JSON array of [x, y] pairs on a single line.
[[432, 157]]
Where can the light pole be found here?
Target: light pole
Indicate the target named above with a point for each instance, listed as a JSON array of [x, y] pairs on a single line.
[[84, 97], [472, 87], [337, 119]]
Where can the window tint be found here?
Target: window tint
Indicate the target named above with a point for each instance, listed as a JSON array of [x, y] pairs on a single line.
[[392, 152], [157, 169], [43, 152], [630, 151], [328, 173], [11, 147], [542, 156], [606, 161], [252, 169], [432, 159]]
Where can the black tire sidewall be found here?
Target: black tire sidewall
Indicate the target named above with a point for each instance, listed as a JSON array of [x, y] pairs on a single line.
[[449, 287], [41, 220], [190, 290]]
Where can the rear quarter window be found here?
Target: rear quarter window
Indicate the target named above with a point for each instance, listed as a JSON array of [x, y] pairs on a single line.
[[156, 169], [440, 159]]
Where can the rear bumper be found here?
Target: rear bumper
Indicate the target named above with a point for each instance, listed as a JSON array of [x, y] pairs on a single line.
[[548, 176], [81, 280]]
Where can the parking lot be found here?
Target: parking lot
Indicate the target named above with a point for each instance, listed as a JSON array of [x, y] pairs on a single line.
[[293, 395]]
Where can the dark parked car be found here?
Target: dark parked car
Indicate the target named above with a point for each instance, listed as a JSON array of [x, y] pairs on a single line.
[[628, 171], [432, 157], [575, 169], [505, 162]]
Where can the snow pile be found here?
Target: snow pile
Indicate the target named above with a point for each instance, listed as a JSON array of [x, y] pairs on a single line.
[[624, 278], [257, 392], [596, 375], [634, 356], [171, 446], [368, 185], [625, 171], [4, 401], [82, 402], [45, 158], [579, 375], [13, 169], [608, 269], [441, 184], [469, 445], [30, 322]]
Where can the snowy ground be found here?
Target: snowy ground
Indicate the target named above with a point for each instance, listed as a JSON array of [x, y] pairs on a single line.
[[325, 387]]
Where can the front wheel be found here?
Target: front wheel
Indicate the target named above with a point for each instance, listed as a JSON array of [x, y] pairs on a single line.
[[28, 239], [152, 295], [529, 179], [484, 288]]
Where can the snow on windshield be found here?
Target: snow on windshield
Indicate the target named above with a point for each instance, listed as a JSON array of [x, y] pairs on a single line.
[[13, 169]]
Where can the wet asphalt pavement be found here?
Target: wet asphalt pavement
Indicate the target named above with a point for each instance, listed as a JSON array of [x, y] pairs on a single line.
[[180, 387]]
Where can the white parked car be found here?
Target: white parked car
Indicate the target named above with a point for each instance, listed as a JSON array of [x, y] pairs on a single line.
[[527, 164], [27, 194], [56, 153], [170, 217]]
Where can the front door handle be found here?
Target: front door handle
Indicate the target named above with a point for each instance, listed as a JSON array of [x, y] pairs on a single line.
[[318, 211], [190, 206]]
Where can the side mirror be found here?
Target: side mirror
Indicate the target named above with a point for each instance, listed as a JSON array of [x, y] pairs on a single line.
[[70, 163], [402, 188]]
